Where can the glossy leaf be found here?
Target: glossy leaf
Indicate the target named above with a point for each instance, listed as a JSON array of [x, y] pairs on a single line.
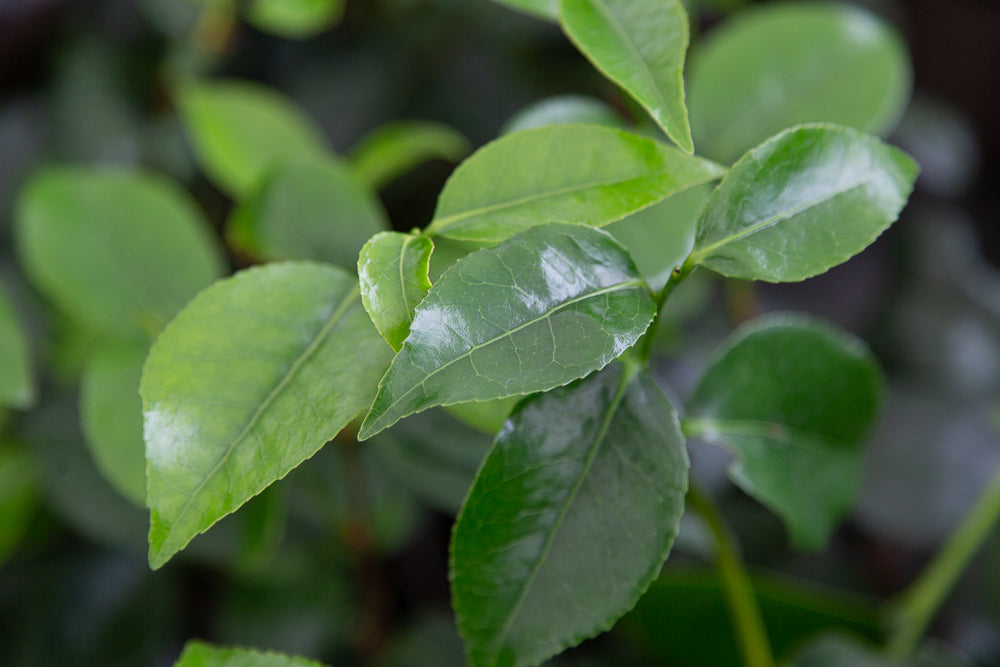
[[585, 174], [240, 131], [312, 209], [17, 386], [562, 110], [118, 251], [544, 9], [548, 306], [791, 398], [802, 202], [111, 416], [640, 45], [392, 149], [393, 270], [570, 518], [294, 19], [249, 380], [201, 654], [824, 61]]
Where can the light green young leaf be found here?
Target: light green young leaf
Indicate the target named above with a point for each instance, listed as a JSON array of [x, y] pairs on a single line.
[[570, 519], [248, 381], [543, 9], [240, 131], [585, 174], [393, 270], [202, 654], [640, 45], [548, 306], [392, 149], [313, 209], [561, 110], [791, 398], [17, 386], [111, 416], [829, 62], [802, 202], [118, 251], [294, 19]]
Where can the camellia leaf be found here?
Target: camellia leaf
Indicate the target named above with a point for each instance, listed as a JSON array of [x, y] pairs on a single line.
[[640, 45], [394, 148], [544, 9], [824, 62], [111, 416], [118, 251], [393, 269], [313, 209], [802, 202], [570, 518], [586, 174], [546, 307], [202, 654], [17, 386], [562, 110], [249, 380], [294, 19], [240, 131], [791, 398]]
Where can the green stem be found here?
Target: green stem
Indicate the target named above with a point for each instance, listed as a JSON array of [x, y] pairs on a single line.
[[648, 339], [740, 599], [916, 607]]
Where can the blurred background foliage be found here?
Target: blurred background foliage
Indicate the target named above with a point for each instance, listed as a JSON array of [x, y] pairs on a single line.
[[346, 560]]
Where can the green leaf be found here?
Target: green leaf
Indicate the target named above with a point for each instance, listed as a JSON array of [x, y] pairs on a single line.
[[640, 45], [486, 416], [17, 386], [585, 174], [543, 9], [827, 62], [393, 270], [549, 306], [561, 110], [571, 517], [836, 650], [201, 654], [248, 381], [392, 149], [17, 498], [313, 209], [118, 251], [111, 416], [241, 130], [802, 202], [294, 19], [792, 399]]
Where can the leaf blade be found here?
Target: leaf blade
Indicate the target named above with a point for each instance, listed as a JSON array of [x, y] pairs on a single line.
[[202, 654], [392, 149], [17, 386]]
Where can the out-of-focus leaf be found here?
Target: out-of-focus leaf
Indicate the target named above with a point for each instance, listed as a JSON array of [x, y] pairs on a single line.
[[561, 110], [111, 414], [392, 149], [17, 386], [17, 498], [844, 651], [945, 144], [791, 398], [570, 518], [248, 381], [640, 45], [392, 268], [294, 19], [777, 66], [201, 654], [431, 640], [118, 251], [544, 9], [241, 131], [313, 209], [802, 202], [579, 304], [584, 174], [487, 416]]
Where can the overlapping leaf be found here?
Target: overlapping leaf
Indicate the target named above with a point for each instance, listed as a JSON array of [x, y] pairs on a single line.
[[394, 148], [202, 654], [392, 268], [544, 9], [562, 110]]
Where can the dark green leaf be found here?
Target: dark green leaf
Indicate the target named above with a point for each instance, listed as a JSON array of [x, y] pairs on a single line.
[[784, 64], [200, 654], [240, 131], [640, 45], [118, 251], [561, 110], [570, 518], [802, 202], [17, 498], [313, 209], [393, 270], [17, 386], [544, 9], [111, 416], [791, 398], [585, 174], [546, 307], [394, 148], [294, 19], [249, 380]]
